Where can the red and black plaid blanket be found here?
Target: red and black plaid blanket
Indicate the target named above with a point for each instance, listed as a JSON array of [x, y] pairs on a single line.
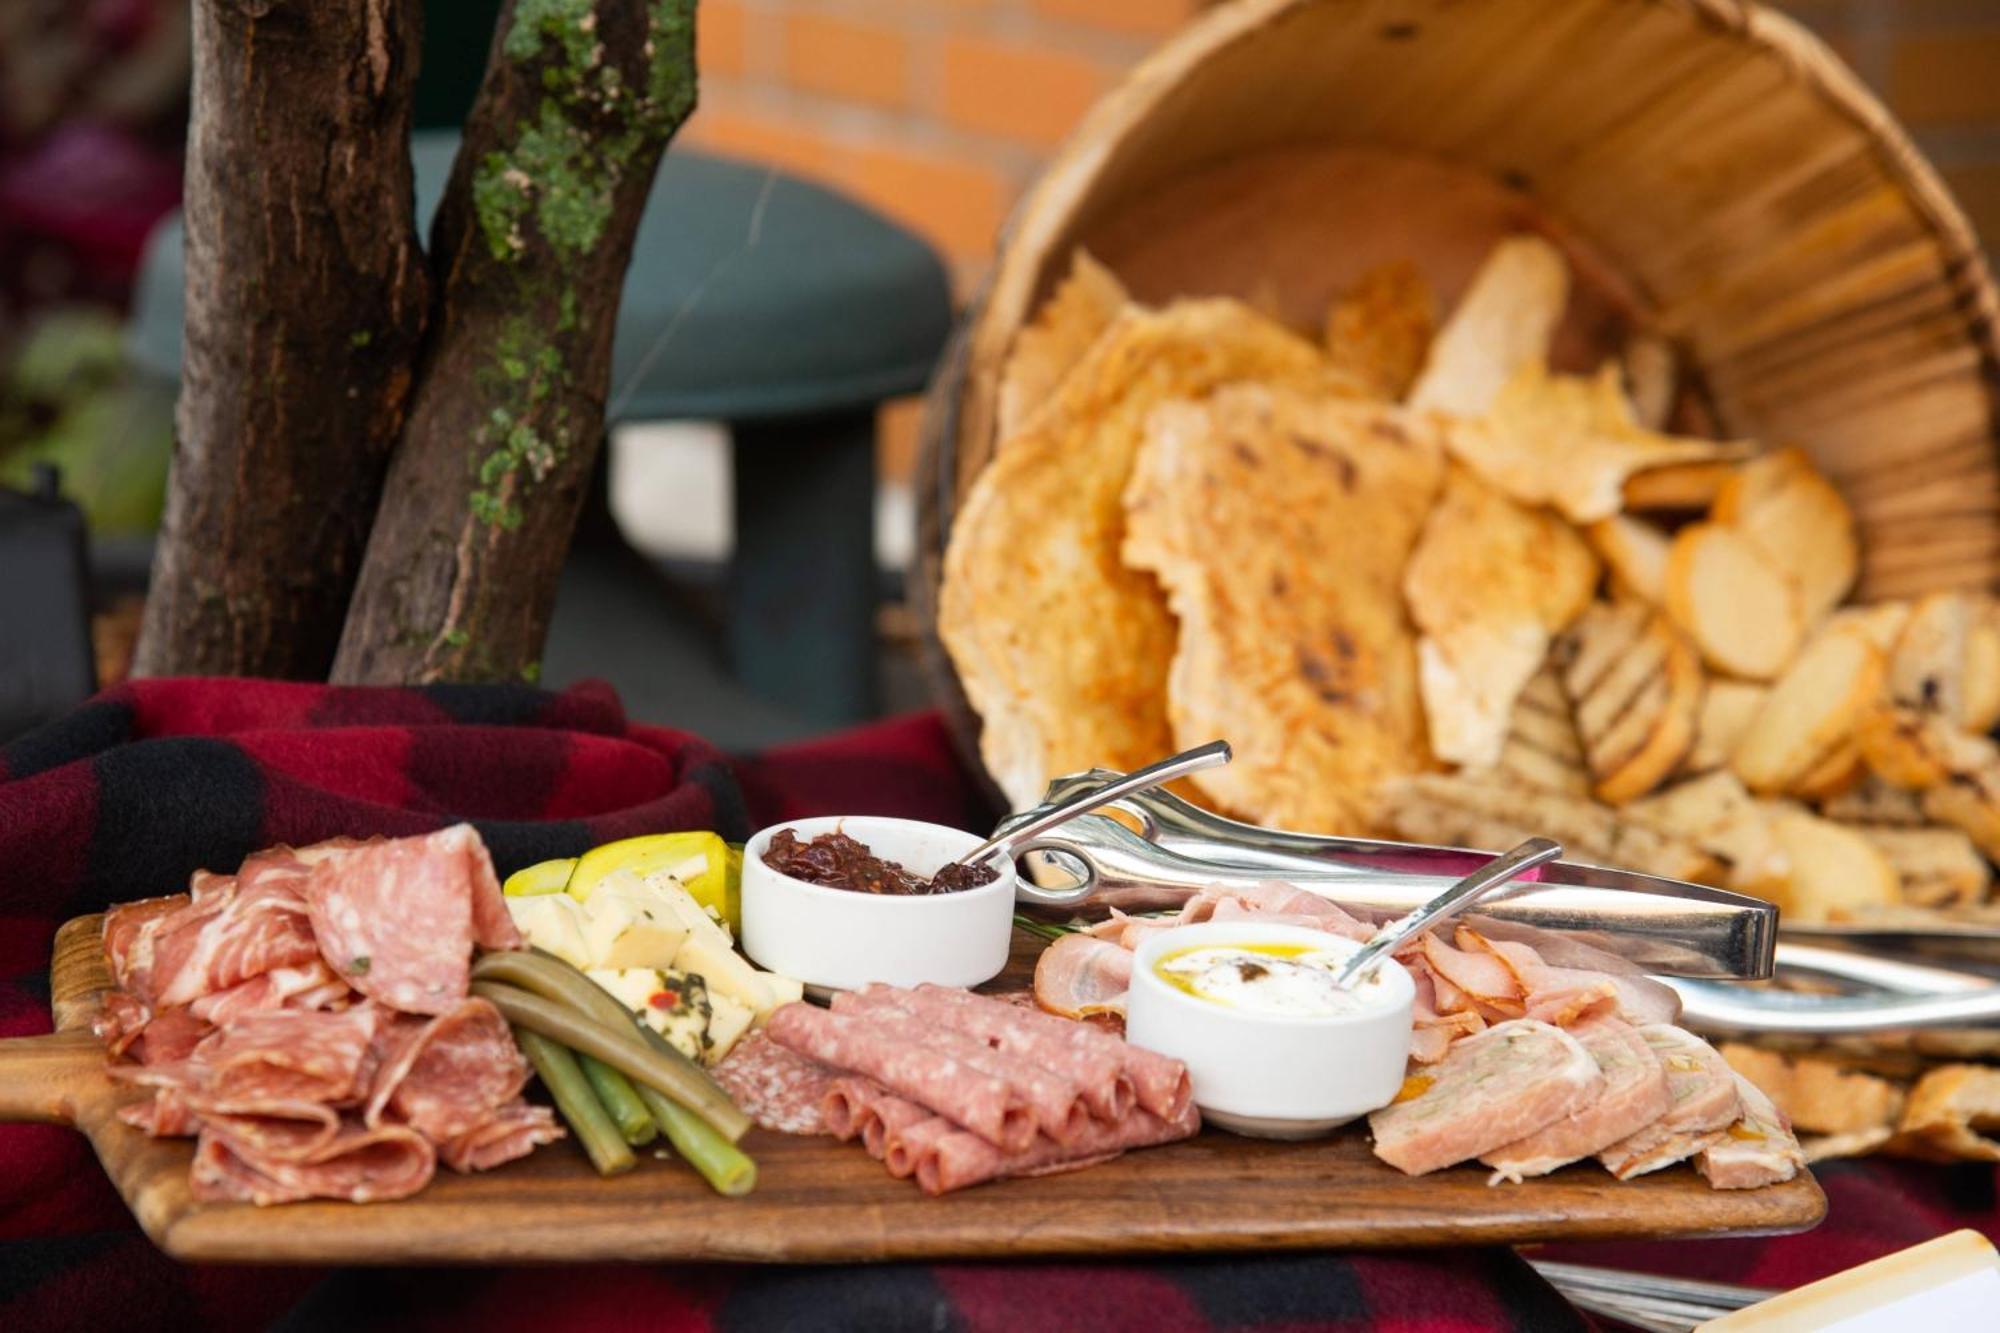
[[146, 783]]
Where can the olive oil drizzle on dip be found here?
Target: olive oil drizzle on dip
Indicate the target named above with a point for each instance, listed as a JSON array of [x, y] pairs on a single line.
[[1291, 980]]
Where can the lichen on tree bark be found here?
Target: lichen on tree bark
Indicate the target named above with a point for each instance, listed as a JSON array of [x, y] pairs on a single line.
[[530, 249]]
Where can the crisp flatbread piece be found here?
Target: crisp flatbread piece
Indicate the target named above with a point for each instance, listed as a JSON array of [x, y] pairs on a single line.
[[1053, 344], [1570, 441], [1490, 581], [1380, 329], [1279, 523], [1503, 324], [1062, 649]]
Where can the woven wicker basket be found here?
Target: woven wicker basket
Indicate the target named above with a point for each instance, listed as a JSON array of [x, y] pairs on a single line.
[[1715, 173]]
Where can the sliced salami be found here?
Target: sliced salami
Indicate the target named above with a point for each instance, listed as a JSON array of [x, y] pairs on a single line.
[[513, 1130], [958, 1160], [449, 1076], [779, 1089], [394, 919], [930, 1072], [358, 1164]]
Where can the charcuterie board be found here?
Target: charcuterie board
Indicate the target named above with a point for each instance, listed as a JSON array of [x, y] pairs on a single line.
[[823, 1201]]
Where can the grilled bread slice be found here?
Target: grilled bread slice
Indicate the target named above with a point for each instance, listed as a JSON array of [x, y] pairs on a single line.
[[1635, 689], [1802, 739], [1738, 607], [1781, 503]]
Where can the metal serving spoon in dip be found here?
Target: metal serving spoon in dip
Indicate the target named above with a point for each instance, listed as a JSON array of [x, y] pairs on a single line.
[[1452, 901], [1139, 779]]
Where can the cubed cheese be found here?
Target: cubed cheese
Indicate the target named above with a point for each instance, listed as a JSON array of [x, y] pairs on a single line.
[[671, 1003], [553, 922], [727, 973], [698, 919], [630, 929], [729, 1019], [784, 990]]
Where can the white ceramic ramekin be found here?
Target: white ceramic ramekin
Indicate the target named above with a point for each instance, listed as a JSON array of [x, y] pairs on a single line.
[[1272, 1075], [840, 938]]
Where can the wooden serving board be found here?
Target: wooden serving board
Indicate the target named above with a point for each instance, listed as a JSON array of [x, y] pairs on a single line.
[[818, 1200]]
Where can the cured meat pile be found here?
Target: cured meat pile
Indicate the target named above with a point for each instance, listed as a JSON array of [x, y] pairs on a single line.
[[307, 1019], [953, 1089], [1523, 1057]]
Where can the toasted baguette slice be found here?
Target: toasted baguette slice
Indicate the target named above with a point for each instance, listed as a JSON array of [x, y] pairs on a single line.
[[1874, 803], [1727, 708], [1740, 611], [1797, 518], [1652, 378], [1980, 703], [1634, 687], [1881, 623], [1842, 770], [1927, 670], [1971, 804], [1910, 748], [1486, 812], [1938, 867], [1542, 749], [1677, 488], [1717, 814], [1835, 870], [1504, 322], [1380, 330], [1636, 554], [1811, 715]]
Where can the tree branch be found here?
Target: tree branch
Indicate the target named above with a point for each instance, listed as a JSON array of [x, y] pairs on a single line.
[[530, 249], [306, 295]]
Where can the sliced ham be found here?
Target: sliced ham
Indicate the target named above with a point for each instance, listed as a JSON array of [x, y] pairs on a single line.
[[1635, 1094], [931, 1073], [957, 1160], [396, 918], [1703, 1091], [779, 1089], [1079, 975], [1490, 1090], [1087, 1061], [1483, 980], [1758, 1149]]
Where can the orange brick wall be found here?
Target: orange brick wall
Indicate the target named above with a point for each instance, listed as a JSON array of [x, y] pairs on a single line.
[[939, 112]]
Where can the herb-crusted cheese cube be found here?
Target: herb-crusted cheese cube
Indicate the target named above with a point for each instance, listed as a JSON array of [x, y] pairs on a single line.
[[554, 922], [623, 930]]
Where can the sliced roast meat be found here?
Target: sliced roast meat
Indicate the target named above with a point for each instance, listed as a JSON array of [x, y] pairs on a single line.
[[1635, 1094], [1057, 1102], [1757, 1149], [1089, 1059], [934, 1073], [510, 1131], [1080, 975], [1492, 1089], [1703, 1090], [449, 1075], [781, 1090]]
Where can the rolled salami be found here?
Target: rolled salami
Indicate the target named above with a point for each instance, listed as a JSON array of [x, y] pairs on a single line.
[[1071, 1050], [1060, 1111], [954, 1161], [929, 1072]]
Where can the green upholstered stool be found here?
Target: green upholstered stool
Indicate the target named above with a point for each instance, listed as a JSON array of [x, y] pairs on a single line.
[[788, 312]]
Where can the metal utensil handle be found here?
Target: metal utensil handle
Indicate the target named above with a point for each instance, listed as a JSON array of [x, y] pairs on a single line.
[[1152, 775], [1484, 880]]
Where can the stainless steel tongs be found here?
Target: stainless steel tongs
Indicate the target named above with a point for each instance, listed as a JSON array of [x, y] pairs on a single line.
[[1657, 924]]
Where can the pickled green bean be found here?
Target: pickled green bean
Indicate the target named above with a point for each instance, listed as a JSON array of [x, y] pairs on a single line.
[[623, 1050], [556, 1066], [620, 1101], [726, 1167]]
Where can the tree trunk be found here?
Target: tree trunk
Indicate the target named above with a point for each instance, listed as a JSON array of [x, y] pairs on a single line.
[[305, 300], [529, 249]]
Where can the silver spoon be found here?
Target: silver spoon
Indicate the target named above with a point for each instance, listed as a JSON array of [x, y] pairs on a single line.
[[1152, 775], [1453, 900]]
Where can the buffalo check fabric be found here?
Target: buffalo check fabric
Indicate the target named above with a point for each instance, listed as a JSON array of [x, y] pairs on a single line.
[[148, 782]]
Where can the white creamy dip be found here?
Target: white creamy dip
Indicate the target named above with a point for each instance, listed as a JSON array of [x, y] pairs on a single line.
[[1294, 980]]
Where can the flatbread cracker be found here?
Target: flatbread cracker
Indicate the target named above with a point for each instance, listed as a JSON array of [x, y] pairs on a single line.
[[1063, 650], [1279, 523], [1489, 583], [1570, 441], [1503, 324], [1054, 343], [1380, 330]]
